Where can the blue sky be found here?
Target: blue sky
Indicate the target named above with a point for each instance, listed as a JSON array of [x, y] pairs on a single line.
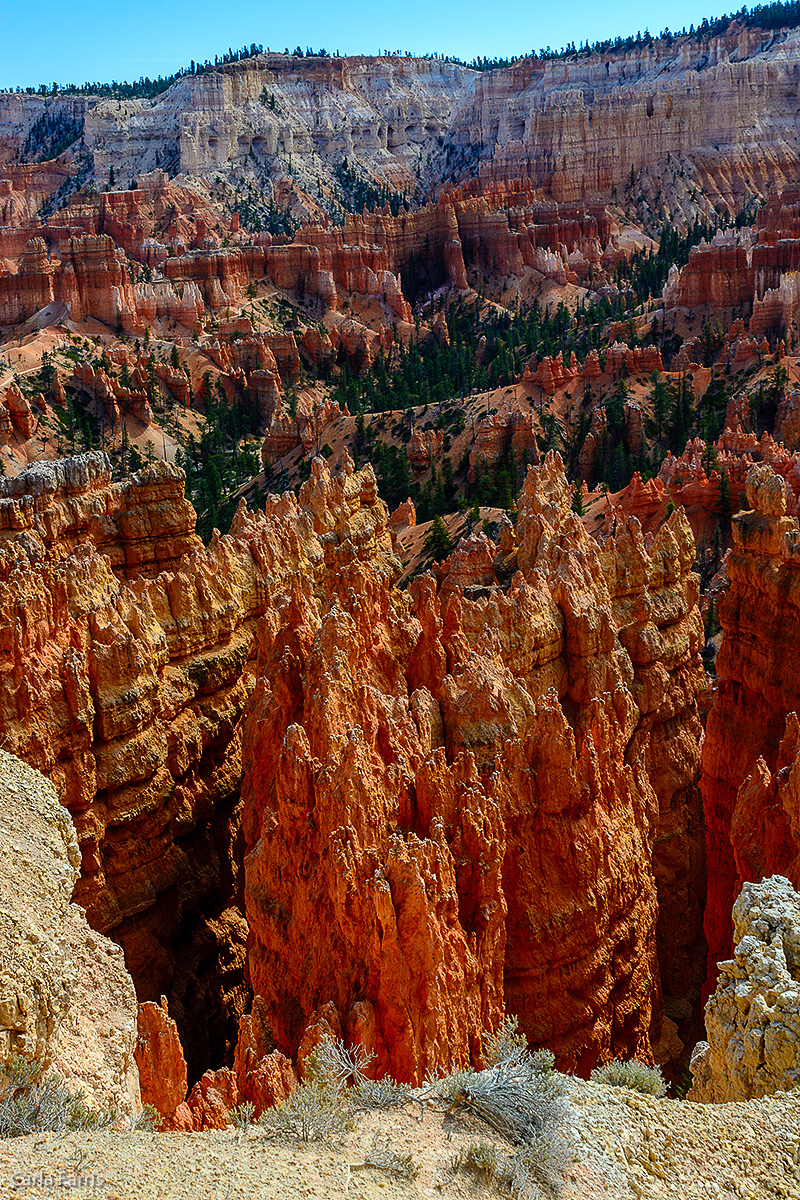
[[101, 40]]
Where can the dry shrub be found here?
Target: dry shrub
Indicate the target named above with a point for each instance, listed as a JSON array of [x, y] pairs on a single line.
[[522, 1098]]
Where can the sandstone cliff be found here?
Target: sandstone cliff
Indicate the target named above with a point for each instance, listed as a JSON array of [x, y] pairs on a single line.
[[765, 834], [486, 230], [129, 653], [676, 115], [127, 689], [752, 272], [456, 801]]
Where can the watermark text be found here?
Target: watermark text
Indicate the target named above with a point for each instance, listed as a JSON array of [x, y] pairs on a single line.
[[46, 1181]]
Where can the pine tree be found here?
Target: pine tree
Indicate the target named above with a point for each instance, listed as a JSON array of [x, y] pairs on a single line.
[[660, 399], [438, 543], [725, 500]]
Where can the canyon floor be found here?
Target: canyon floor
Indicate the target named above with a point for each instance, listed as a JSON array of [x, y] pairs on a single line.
[[626, 1147]]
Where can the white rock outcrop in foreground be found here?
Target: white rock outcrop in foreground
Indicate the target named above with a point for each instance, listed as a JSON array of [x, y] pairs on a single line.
[[753, 1017], [66, 998]]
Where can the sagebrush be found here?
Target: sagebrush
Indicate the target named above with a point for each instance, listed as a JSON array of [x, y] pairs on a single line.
[[243, 1115], [33, 1103], [334, 1089], [148, 1119], [513, 1172], [316, 1111], [518, 1094], [637, 1076], [522, 1098]]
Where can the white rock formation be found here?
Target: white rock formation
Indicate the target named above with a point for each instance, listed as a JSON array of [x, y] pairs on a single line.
[[753, 1017], [66, 998], [714, 114]]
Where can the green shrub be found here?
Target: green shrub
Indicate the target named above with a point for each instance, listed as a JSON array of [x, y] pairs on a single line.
[[637, 1076], [684, 1084], [316, 1111], [31, 1103]]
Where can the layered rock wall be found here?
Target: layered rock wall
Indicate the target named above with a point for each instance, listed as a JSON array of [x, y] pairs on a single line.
[[765, 824], [127, 690], [593, 120], [675, 113], [456, 802], [466, 235], [753, 272], [142, 525]]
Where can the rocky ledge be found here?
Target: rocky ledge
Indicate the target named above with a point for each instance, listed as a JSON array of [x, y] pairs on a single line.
[[66, 999]]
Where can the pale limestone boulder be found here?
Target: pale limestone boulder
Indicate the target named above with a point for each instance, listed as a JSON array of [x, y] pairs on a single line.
[[66, 998], [753, 1017], [766, 492]]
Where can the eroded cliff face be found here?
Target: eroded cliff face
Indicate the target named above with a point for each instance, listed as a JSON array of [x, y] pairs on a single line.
[[84, 264], [765, 823], [751, 272], [757, 666], [461, 801], [655, 111], [127, 689], [715, 113]]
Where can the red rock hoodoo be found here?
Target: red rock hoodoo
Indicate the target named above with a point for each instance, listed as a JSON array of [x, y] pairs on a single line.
[[759, 686], [452, 801], [396, 811]]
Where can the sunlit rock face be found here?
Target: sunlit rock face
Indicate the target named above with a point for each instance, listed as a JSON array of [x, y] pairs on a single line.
[[456, 802], [126, 648], [759, 685], [752, 1016]]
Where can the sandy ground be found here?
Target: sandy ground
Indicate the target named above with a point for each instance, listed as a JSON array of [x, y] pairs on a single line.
[[624, 1146]]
